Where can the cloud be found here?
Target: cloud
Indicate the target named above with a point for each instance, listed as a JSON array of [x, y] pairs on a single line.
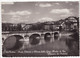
[[18, 20], [2, 10], [67, 15], [44, 19], [17, 16], [4, 21], [57, 3], [3, 3], [60, 11], [66, 1], [37, 12], [18, 13], [71, 4], [44, 5]]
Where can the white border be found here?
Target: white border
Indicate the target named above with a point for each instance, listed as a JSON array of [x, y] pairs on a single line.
[[29, 1], [33, 0], [0, 34]]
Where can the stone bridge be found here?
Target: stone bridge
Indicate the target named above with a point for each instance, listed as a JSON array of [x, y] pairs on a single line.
[[29, 39]]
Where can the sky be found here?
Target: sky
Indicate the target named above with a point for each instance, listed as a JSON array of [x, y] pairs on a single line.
[[32, 12]]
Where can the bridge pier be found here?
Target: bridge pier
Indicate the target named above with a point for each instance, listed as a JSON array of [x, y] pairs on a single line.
[[42, 39], [52, 37], [26, 43]]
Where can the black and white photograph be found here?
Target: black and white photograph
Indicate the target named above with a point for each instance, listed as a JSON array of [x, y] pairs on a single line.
[[40, 29]]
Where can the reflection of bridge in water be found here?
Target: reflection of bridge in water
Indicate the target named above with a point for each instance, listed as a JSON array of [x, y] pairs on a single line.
[[27, 39]]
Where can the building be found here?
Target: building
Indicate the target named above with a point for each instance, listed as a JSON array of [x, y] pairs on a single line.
[[52, 26], [6, 26], [70, 23], [11, 27], [26, 27]]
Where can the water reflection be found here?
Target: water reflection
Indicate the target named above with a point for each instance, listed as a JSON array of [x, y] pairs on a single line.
[[72, 41]]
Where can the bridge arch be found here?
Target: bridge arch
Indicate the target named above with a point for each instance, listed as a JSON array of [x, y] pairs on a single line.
[[13, 42], [47, 37], [34, 39], [56, 35]]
